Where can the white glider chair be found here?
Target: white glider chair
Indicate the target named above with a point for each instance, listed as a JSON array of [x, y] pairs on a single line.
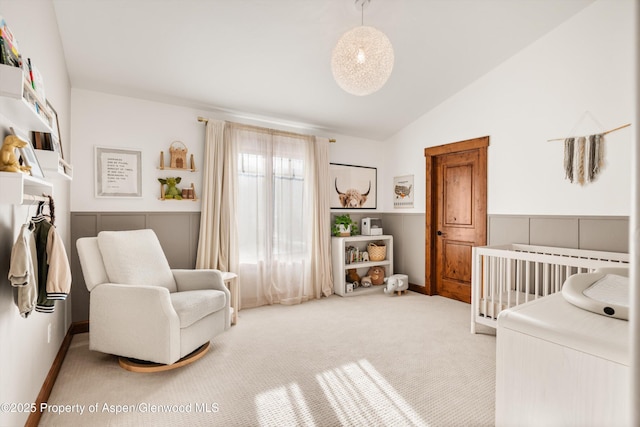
[[140, 308]]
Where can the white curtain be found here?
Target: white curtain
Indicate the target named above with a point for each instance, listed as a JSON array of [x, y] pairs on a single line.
[[277, 217], [321, 231], [218, 242]]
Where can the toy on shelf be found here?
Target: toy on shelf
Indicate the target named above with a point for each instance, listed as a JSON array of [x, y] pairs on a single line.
[[376, 274], [172, 192], [178, 158], [8, 159]]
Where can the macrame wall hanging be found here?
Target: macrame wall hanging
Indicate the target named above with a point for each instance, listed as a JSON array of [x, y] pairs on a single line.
[[584, 156]]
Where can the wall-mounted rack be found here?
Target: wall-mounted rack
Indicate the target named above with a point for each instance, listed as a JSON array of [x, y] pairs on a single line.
[[19, 188]]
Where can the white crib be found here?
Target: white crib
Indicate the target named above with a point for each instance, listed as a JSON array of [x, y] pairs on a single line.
[[509, 275]]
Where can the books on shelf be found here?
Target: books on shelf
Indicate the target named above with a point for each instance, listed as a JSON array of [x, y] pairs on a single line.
[[33, 92], [352, 255], [9, 52]]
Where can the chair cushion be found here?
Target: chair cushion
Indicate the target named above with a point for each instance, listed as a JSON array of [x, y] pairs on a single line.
[[192, 306], [135, 257]]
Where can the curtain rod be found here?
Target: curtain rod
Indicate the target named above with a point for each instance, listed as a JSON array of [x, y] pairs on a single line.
[[603, 133], [205, 121]]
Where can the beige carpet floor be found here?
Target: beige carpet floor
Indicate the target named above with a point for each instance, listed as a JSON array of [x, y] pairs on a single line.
[[371, 360]]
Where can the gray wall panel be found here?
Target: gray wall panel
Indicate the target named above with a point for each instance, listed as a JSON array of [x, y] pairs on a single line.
[[81, 226], [413, 244], [393, 225], [551, 231], [120, 221], [177, 232], [600, 233], [176, 229], [408, 244], [607, 234], [505, 230]]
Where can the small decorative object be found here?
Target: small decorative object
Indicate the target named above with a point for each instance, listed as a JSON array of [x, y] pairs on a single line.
[[8, 159], [352, 275], [343, 226], [376, 252], [178, 152], [366, 282], [349, 287], [365, 256], [403, 191], [396, 283], [376, 274], [172, 192]]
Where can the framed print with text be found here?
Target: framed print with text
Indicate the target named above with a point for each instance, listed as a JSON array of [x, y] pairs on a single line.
[[118, 172]]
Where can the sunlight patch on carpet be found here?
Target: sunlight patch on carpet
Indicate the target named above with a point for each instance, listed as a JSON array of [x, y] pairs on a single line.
[[360, 395], [283, 406]]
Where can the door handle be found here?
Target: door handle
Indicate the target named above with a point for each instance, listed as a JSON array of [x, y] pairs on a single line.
[[439, 233]]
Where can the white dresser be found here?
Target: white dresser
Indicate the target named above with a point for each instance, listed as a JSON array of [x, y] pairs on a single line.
[[560, 365]]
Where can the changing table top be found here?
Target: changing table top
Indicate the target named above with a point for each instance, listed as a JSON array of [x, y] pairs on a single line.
[[553, 319]]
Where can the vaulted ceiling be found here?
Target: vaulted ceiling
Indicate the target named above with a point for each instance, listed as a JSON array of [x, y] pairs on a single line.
[[271, 58]]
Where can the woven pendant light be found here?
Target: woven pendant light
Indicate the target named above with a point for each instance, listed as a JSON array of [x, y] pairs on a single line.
[[362, 60]]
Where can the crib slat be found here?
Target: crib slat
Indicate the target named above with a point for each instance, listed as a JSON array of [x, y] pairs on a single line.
[[527, 280], [510, 275]]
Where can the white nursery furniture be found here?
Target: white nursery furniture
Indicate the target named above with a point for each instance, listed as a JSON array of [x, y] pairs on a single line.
[[560, 365], [140, 308], [508, 275], [341, 264]]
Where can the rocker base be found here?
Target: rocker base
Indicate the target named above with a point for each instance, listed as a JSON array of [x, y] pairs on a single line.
[[135, 365]]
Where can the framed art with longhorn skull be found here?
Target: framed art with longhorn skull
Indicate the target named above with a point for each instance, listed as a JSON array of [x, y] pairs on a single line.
[[353, 187]]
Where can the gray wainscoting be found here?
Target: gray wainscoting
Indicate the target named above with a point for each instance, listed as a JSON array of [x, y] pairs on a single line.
[[604, 233], [407, 230], [177, 232], [599, 233]]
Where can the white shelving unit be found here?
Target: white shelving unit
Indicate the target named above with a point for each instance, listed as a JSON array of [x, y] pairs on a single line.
[[18, 103], [14, 93], [340, 267], [52, 166]]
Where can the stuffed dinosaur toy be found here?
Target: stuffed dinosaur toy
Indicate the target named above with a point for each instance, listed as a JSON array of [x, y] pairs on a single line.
[[172, 192]]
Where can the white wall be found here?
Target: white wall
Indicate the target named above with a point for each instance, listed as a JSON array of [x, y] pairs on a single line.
[[576, 80], [115, 121], [25, 353], [119, 122]]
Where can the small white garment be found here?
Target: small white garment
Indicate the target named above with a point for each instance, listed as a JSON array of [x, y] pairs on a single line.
[[23, 271]]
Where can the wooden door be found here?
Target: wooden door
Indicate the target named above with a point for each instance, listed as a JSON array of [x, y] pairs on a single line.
[[456, 217]]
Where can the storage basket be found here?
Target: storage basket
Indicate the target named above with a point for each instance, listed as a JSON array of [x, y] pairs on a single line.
[[376, 253]]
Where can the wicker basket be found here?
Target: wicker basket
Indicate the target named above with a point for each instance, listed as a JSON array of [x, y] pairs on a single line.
[[376, 253]]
